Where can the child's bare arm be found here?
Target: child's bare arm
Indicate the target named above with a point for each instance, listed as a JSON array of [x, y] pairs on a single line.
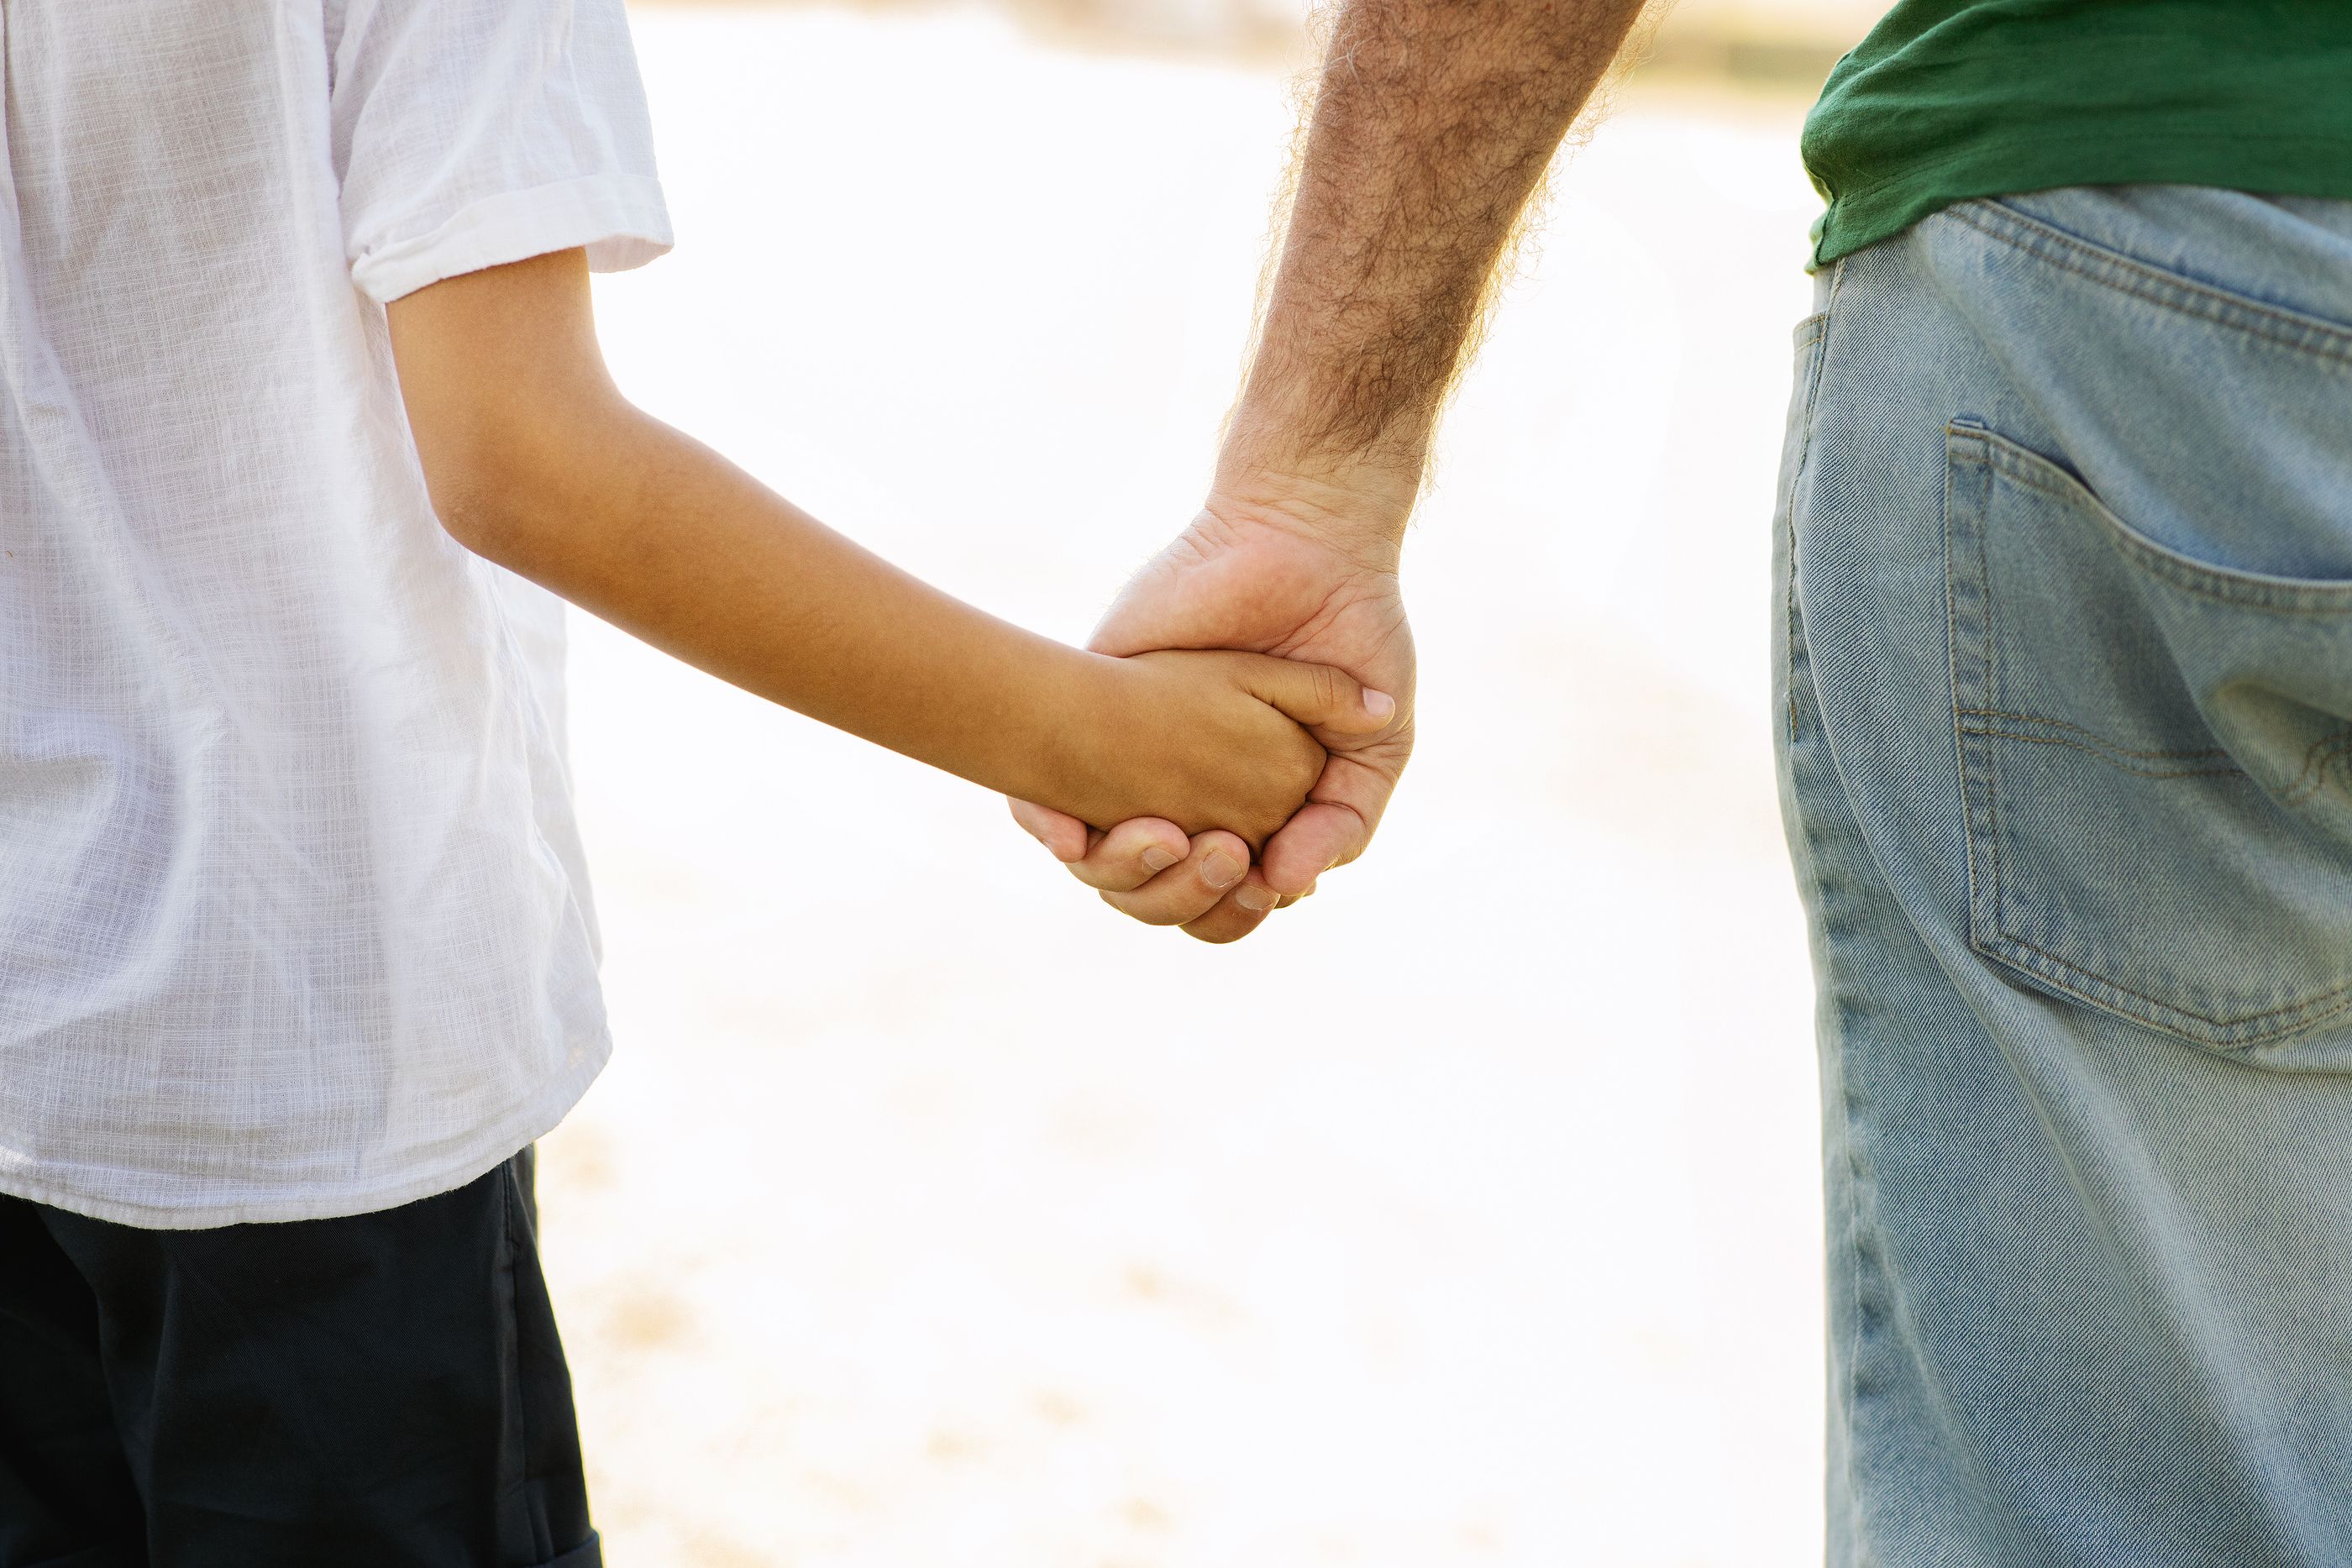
[[535, 462]]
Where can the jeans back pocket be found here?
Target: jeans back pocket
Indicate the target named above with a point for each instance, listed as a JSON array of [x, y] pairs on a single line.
[[2156, 761]]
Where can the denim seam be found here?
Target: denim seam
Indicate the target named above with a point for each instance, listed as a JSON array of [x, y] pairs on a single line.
[[1847, 1232], [1848, 1236], [1817, 337], [2104, 755], [2286, 328], [1988, 674], [1968, 613], [1963, 688], [2090, 733]]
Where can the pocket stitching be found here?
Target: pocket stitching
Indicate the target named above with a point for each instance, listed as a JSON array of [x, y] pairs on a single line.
[[2233, 1032], [1964, 457], [2258, 591]]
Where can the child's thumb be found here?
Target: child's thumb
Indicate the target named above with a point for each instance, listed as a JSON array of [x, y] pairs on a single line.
[[1322, 698]]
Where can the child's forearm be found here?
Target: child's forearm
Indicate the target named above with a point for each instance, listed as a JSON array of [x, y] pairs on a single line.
[[653, 531], [535, 462]]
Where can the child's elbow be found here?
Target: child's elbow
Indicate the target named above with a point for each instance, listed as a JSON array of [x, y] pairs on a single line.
[[485, 507], [509, 489]]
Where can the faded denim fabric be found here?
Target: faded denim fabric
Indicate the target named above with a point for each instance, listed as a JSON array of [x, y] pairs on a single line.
[[2064, 689]]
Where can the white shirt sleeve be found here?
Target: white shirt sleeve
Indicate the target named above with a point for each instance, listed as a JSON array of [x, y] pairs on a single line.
[[471, 133]]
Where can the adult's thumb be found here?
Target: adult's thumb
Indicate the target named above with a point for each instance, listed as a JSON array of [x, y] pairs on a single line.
[[1064, 836], [1322, 698]]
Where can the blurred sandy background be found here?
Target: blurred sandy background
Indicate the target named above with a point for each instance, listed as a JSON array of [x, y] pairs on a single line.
[[931, 1215]]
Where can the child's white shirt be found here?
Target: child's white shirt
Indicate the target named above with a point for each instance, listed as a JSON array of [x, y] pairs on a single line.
[[293, 918]]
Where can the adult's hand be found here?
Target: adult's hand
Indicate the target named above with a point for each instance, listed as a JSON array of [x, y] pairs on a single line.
[[1281, 569], [1433, 123]]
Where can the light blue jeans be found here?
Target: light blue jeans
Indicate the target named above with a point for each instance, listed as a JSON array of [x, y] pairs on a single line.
[[2063, 688]]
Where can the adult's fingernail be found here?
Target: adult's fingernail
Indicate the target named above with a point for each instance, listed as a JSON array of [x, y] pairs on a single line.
[[1256, 899], [1380, 704], [1220, 871], [1157, 859]]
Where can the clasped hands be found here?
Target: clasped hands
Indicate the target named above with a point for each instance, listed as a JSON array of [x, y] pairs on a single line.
[[1267, 576]]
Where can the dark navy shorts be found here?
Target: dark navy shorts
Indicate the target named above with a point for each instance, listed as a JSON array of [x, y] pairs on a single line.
[[381, 1391]]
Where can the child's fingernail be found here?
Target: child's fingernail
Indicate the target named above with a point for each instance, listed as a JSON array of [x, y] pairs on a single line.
[[1157, 859], [1380, 704], [1219, 870], [1255, 899]]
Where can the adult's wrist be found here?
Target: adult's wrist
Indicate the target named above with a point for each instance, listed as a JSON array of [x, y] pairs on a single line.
[[1356, 511], [1303, 422]]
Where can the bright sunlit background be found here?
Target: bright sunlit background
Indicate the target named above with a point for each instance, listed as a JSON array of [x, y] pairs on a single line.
[[931, 1215]]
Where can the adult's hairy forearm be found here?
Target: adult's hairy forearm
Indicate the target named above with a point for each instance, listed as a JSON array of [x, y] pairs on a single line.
[[1432, 124]]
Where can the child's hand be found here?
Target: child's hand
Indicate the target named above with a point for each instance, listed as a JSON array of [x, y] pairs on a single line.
[[1214, 739]]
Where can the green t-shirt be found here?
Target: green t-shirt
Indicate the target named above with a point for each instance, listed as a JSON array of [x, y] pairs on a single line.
[[1946, 99]]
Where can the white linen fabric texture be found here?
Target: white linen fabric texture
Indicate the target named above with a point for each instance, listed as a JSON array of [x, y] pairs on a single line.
[[293, 918]]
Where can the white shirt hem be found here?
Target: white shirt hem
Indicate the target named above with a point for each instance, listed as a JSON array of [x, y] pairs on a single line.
[[535, 1120]]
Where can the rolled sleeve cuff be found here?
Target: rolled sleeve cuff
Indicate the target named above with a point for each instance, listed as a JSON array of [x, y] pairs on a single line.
[[621, 219]]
